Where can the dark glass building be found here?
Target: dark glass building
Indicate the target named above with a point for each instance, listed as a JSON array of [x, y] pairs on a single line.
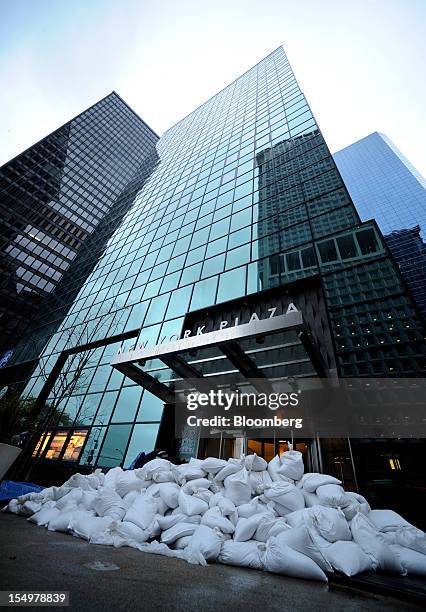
[[57, 202], [385, 186], [245, 217]]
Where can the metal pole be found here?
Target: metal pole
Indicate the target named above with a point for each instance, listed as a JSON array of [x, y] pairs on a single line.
[[353, 465], [319, 454]]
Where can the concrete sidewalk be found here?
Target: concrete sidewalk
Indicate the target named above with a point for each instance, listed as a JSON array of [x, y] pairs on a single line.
[[34, 558]]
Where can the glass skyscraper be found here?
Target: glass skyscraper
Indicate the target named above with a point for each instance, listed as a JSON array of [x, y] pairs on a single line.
[[58, 200], [244, 216], [385, 186]]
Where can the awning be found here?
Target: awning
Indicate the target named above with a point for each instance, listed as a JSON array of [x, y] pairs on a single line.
[[265, 350]]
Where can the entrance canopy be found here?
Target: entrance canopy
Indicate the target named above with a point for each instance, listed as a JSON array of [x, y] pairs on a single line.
[[266, 349]]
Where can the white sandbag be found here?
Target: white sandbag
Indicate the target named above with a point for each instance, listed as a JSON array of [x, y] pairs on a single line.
[[332, 495], [301, 540], [232, 466], [142, 511], [179, 530], [259, 481], [298, 517], [129, 498], [212, 465], [348, 558], [311, 499], [34, 497], [129, 531], [312, 480], [246, 528], [242, 554], [281, 559], [291, 465], [30, 507], [387, 520], [203, 494], [330, 523], [112, 476], [156, 548], [351, 509], [217, 487], [254, 463], [87, 501], [273, 467], [364, 505], [226, 505], [252, 507], [44, 515], [185, 472], [182, 543], [268, 523], [109, 503], [278, 526], [85, 525], [411, 537], [188, 504], [128, 481], [192, 486], [152, 467], [13, 507], [238, 487], [58, 492], [61, 522], [205, 542], [169, 493], [195, 462], [78, 481], [413, 562], [213, 518], [374, 545], [163, 476], [165, 522], [287, 497], [72, 498]]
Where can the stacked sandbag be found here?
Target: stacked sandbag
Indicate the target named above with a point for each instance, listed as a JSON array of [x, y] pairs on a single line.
[[243, 512]]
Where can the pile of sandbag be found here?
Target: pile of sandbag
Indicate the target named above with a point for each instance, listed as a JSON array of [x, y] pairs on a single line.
[[242, 512]]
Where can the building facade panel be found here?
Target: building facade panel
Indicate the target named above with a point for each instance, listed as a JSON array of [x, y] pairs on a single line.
[[53, 197], [385, 186]]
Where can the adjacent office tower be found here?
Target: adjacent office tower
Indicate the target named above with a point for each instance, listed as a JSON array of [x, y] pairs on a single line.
[[53, 198], [385, 186], [244, 217]]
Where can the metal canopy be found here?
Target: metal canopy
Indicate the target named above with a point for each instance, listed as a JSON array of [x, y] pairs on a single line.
[[257, 350]]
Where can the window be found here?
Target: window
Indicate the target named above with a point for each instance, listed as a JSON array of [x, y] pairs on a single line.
[[327, 251], [204, 293], [56, 444], [143, 439], [151, 408], [75, 445], [127, 404], [347, 246], [232, 284], [367, 241], [114, 445], [179, 302]]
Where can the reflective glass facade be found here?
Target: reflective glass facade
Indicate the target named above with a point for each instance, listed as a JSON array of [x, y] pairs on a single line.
[[53, 198], [245, 198], [385, 186]]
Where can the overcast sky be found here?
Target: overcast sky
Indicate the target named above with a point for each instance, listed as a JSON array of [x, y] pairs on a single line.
[[360, 63]]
